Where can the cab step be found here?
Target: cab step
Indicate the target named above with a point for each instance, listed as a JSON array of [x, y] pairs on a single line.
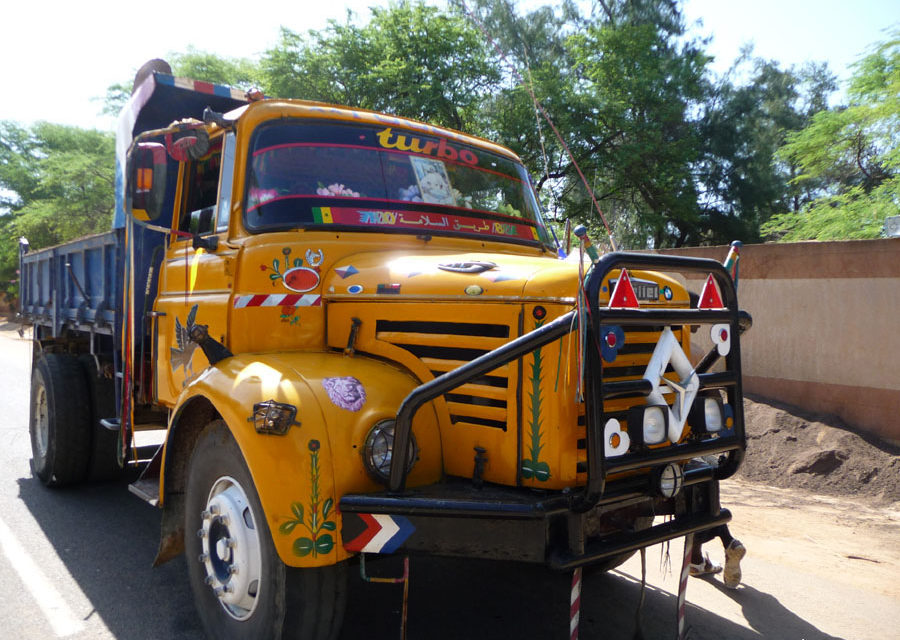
[[146, 486]]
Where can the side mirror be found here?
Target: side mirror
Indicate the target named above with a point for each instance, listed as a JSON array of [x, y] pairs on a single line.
[[191, 144], [146, 180]]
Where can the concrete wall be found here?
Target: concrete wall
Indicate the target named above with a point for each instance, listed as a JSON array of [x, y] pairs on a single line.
[[826, 327]]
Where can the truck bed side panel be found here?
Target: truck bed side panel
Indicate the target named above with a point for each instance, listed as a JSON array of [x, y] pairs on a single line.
[[74, 285]]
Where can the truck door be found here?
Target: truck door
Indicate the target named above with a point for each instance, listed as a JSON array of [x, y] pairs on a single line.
[[195, 283]]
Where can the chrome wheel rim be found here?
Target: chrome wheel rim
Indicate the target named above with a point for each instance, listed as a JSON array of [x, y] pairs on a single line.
[[231, 548]]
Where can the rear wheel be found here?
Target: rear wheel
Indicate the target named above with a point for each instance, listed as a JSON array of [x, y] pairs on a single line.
[[241, 587], [59, 424], [105, 459]]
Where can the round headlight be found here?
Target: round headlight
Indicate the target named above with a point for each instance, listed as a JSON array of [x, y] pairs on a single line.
[[655, 427], [712, 414], [379, 448], [671, 479]]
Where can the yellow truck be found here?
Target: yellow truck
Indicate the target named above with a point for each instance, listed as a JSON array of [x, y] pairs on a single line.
[[359, 337]]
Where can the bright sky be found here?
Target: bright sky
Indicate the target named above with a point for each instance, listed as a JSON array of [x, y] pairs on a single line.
[[57, 57]]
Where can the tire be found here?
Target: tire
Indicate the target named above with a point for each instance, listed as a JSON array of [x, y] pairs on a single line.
[[105, 458], [222, 504], [59, 423]]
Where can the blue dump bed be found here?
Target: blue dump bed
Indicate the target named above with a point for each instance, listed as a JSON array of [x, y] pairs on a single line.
[[78, 285], [74, 285]]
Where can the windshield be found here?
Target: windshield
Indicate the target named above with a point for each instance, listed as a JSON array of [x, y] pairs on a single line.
[[303, 174]]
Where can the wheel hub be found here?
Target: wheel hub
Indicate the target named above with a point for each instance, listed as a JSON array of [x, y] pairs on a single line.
[[231, 548], [42, 422]]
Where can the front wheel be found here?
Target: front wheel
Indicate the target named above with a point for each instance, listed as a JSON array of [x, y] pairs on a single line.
[[241, 587]]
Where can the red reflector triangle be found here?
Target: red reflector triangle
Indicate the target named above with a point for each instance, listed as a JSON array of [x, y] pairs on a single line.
[[709, 297], [623, 295]]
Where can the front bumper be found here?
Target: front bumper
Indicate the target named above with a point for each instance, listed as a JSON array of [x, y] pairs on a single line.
[[502, 523]]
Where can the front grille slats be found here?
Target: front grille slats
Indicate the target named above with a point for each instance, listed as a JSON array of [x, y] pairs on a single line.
[[443, 366], [445, 346], [438, 340], [475, 411], [481, 391]]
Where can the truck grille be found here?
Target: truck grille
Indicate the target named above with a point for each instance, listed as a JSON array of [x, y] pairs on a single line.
[[444, 346], [630, 364]]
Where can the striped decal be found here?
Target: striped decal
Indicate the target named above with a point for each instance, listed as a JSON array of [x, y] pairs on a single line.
[[201, 87], [278, 300], [575, 604], [682, 585]]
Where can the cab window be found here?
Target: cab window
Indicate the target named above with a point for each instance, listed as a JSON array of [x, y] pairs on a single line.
[[200, 191], [224, 205]]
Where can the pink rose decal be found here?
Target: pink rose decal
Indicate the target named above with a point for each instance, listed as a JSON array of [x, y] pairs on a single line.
[[346, 392]]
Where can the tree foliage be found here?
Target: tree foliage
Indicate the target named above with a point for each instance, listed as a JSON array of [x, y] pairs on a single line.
[[409, 59], [646, 82], [741, 182], [209, 67], [56, 183], [852, 155]]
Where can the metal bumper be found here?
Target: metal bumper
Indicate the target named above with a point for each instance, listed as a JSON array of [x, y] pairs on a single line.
[[503, 523]]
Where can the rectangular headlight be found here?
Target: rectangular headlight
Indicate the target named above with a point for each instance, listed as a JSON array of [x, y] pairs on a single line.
[[708, 413], [649, 425]]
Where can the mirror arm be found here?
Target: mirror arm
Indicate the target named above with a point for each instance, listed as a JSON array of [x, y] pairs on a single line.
[[209, 243]]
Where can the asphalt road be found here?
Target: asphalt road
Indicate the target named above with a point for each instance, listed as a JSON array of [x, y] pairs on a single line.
[[76, 563]]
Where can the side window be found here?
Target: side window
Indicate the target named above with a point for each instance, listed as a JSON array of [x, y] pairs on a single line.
[[199, 192], [224, 208]]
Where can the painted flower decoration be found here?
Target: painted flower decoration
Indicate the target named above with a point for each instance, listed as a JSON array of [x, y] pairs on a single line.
[[259, 196], [337, 190], [345, 392], [611, 340]]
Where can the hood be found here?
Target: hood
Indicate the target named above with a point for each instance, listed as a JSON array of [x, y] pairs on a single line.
[[450, 276]]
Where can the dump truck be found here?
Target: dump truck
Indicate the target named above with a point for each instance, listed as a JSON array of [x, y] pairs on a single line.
[[358, 336]]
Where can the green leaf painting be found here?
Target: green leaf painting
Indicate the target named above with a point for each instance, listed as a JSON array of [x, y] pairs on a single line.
[[315, 521], [533, 467]]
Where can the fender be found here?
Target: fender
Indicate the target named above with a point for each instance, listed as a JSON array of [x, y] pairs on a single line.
[[301, 476]]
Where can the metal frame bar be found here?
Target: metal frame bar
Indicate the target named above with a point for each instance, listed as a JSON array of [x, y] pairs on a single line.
[[598, 467]]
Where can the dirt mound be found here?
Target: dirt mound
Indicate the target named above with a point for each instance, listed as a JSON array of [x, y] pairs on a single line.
[[788, 449]]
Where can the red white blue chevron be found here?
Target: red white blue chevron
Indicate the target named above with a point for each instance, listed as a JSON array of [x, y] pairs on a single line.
[[381, 533]]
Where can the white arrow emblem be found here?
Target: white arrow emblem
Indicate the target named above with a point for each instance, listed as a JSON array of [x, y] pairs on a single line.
[[667, 352]]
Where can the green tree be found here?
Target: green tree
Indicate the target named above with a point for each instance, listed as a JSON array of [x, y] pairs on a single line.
[[56, 183], [741, 183], [646, 81], [852, 155], [242, 73], [409, 59]]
